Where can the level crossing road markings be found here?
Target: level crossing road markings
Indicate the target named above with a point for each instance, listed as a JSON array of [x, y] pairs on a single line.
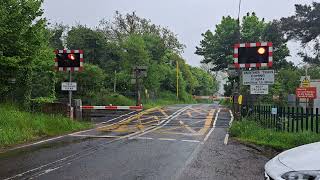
[[187, 127], [214, 125], [189, 113], [198, 110], [208, 121], [163, 123], [131, 124], [138, 122], [202, 131]]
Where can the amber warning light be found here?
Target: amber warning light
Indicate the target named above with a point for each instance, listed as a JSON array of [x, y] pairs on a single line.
[[261, 50]]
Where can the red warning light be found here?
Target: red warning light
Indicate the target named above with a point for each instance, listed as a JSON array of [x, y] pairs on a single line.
[[71, 57]]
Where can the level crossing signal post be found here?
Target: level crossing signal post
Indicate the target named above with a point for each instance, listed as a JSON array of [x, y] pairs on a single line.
[[69, 61], [138, 73], [249, 58]]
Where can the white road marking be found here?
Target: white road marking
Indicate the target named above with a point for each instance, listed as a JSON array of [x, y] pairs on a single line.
[[32, 144], [166, 139], [214, 125], [232, 117], [93, 136], [193, 141], [144, 138], [46, 172], [115, 118], [226, 139]]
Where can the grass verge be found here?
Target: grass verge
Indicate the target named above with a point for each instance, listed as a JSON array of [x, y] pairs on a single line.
[[252, 132], [18, 127]]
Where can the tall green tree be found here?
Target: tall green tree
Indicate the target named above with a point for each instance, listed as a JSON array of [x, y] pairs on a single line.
[[206, 84], [22, 32], [216, 48], [56, 33], [304, 26], [124, 25]]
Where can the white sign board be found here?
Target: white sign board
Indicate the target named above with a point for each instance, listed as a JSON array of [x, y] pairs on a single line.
[[259, 89], [68, 86], [258, 77], [274, 111], [302, 78]]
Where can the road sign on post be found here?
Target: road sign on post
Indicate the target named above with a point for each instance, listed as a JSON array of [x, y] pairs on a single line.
[[69, 86], [305, 83], [258, 77], [248, 55], [259, 89], [308, 92]]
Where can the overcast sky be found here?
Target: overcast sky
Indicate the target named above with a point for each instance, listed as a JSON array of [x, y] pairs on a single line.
[[187, 18]]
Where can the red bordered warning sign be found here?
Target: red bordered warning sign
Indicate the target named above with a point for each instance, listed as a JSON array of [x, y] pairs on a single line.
[[69, 60], [306, 92], [263, 50]]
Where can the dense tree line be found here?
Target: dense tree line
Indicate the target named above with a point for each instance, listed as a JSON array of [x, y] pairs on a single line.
[[111, 50]]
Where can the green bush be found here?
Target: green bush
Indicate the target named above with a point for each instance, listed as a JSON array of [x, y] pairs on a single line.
[[167, 98], [17, 126], [252, 132], [119, 100]]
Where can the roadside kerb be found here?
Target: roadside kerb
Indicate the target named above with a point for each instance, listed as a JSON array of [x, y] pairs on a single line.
[[226, 138]]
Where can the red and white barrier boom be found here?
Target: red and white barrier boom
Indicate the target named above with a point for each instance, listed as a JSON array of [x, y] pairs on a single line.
[[111, 107]]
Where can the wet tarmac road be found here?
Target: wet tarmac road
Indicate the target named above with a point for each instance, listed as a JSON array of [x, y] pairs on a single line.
[[157, 144]]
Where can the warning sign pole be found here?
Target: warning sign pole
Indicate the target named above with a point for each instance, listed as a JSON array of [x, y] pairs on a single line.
[[70, 92], [70, 96]]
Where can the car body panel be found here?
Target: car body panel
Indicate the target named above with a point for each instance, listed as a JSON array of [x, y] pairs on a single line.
[[274, 168], [306, 157]]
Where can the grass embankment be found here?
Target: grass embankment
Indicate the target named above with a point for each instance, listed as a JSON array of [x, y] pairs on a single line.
[[252, 132], [17, 126]]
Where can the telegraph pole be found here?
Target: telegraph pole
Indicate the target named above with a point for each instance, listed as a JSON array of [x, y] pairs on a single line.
[[238, 81], [70, 92], [115, 81], [137, 88], [177, 86]]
